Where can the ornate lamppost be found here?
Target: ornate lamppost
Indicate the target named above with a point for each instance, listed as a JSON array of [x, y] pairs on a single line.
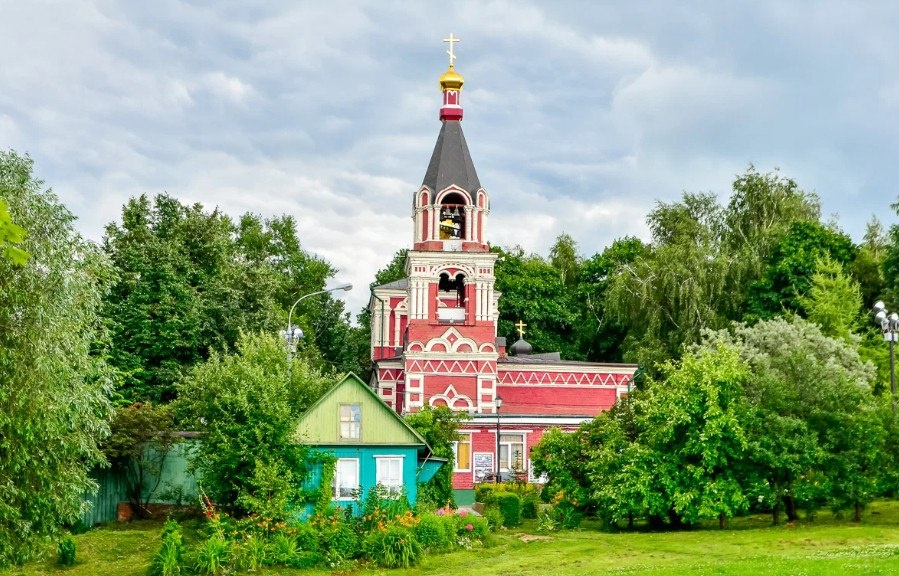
[[293, 333], [499, 404], [889, 324]]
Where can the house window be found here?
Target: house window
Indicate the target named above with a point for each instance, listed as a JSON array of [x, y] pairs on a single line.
[[350, 421], [389, 473], [462, 453], [346, 479], [511, 452]]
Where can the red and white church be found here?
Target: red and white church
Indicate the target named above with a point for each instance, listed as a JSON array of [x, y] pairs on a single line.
[[434, 333]]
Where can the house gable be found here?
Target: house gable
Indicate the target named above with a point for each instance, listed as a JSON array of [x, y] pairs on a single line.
[[380, 425]]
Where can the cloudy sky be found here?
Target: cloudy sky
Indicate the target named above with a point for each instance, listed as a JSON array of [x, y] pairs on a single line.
[[579, 115]]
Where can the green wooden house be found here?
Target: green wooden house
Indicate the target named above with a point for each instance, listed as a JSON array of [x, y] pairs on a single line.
[[372, 444]]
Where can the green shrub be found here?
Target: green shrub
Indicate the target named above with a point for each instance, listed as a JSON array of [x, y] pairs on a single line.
[[212, 555], [568, 516], [65, 551], [307, 537], [339, 543], [509, 505], [473, 527], [546, 521], [168, 559], [494, 518], [395, 547], [282, 549], [485, 493], [529, 504], [431, 532], [249, 554]]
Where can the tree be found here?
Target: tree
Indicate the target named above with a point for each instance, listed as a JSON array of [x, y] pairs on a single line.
[[10, 234], [702, 260], [790, 266], [834, 299], [667, 296], [248, 404], [812, 399], [54, 405], [139, 443], [868, 264], [600, 335], [533, 292], [563, 256], [190, 280], [438, 426]]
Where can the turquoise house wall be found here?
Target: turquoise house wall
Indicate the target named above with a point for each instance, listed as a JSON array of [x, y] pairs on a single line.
[[368, 470], [177, 486]]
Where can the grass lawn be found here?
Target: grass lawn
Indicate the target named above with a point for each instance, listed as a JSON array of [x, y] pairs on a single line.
[[751, 546]]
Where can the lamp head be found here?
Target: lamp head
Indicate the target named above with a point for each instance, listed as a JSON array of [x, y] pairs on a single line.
[[879, 306], [880, 316], [344, 287], [499, 402]]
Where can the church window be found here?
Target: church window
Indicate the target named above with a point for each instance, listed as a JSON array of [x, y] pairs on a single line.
[[452, 217], [462, 453], [511, 452], [350, 421]]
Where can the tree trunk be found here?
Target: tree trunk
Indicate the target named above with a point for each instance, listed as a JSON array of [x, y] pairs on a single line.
[[722, 521], [858, 512], [790, 505], [775, 513], [630, 520]]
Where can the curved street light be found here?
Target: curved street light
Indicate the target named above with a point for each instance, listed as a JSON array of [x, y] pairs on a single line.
[[293, 333], [889, 325]]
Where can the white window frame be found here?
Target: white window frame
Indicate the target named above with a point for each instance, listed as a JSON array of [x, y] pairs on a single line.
[[507, 447], [352, 425], [456, 453], [382, 471], [337, 482]]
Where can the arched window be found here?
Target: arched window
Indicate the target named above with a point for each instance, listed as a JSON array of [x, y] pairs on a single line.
[[456, 285], [452, 217]]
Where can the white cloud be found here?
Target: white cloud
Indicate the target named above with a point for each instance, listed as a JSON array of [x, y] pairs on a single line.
[[578, 115]]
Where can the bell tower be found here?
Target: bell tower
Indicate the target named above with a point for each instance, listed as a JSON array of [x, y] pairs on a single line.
[[448, 345]]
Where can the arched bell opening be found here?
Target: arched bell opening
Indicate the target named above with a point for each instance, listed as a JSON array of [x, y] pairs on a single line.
[[452, 216], [452, 290]]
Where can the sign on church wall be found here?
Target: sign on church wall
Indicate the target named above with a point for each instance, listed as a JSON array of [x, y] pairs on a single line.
[[483, 465]]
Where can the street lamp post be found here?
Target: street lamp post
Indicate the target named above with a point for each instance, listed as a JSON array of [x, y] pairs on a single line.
[[499, 404], [889, 324], [293, 333]]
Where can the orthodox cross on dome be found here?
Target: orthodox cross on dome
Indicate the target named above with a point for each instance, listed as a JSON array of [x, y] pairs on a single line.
[[452, 54], [520, 327]]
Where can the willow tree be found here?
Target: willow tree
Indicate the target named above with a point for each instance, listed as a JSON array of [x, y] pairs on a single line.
[[53, 391]]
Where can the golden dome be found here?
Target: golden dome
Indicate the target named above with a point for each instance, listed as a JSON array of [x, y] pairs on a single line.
[[451, 80]]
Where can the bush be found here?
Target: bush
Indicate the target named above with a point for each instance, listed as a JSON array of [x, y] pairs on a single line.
[[473, 527], [547, 521], [250, 553], [167, 561], [567, 515], [395, 547], [339, 543], [494, 518], [282, 549], [65, 552], [307, 537], [431, 532], [213, 555], [529, 505], [509, 505]]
